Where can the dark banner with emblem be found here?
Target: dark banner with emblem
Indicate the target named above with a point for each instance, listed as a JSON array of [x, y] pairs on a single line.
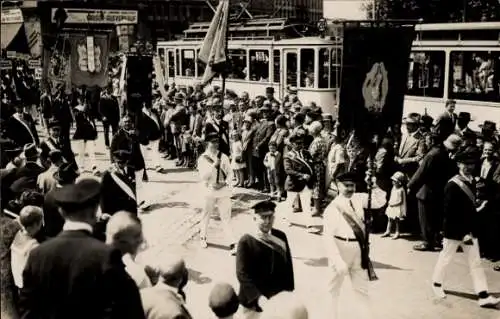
[[374, 75], [89, 60]]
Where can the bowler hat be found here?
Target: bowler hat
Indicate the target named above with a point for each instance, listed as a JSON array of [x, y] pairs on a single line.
[[79, 195], [464, 116], [347, 177], [264, 207], [292, 90], [223, 300], [66, 174], [488, 125], [30, 151], [22, 184], [179, 96], [468, 156], [269, 90]]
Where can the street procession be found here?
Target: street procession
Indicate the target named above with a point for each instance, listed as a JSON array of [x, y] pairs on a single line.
[[292, 159]]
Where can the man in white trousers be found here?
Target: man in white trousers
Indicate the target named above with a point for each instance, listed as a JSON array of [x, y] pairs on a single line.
[[151, 131], [345, 242], [460, 228], [215, 173]]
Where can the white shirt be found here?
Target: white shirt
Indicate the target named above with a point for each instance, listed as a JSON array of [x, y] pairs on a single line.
[[73, 225], [20, 250], [136, 272], [485, 168], [336, 225], [208, 174]]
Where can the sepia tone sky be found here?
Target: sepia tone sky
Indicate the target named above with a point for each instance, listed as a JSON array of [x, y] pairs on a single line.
[[344, 9]]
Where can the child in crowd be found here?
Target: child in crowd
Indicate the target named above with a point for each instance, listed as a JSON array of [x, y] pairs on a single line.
[[187, 147], [271, 162], [237, 162], [396, 207], [31, 220]]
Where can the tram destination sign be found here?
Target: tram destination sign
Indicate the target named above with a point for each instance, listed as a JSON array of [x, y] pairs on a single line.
[[96, 16]]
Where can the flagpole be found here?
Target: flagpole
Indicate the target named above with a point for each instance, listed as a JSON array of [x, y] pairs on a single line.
[[224, 75]]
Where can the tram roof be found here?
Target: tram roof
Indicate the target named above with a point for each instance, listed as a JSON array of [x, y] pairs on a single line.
[[309, 41], [459, 26]]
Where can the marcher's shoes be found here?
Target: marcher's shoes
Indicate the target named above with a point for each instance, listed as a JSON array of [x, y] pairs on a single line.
[[438, 291], [203, 242], [423, 247], [233, 249], [488, 302], [386, 234]]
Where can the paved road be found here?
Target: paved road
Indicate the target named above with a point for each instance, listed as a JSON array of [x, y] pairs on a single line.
[[403, 291]]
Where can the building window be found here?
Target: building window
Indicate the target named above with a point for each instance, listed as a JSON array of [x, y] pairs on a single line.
[[307, 68], [188, 62], [259, 65], [426, 73], [238, 60], [291, 69], [335, 67], [171, 64], [276, 66], [474, 75], [324, 68], [201, 65]]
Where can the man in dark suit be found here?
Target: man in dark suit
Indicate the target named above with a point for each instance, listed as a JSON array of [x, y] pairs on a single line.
[[446, 122], [263, 260], [109, 111], [46, 106], [61, 111], [428, 184], [462, 128], [21, 127], [262, 135], [55, 142], [460, 228], [412, 148], [75, 275]]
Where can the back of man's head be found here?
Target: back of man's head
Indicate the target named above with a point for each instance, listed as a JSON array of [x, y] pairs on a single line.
[[171, 270], [124, 231]]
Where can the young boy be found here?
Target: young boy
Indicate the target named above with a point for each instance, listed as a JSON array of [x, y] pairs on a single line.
[[31, 220]]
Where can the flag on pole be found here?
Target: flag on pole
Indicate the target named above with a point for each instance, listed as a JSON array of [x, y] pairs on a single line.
[[213, 49]]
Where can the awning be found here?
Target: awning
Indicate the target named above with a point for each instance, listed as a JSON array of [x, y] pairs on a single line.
[[9, 32]]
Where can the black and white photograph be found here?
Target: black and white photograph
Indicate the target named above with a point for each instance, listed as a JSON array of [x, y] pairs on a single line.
[[250, 159]]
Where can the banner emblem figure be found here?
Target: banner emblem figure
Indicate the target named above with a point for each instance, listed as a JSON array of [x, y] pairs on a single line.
[[375, 88]]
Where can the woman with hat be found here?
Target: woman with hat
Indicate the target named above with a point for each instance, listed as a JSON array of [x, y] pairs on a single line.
[[319, 153]]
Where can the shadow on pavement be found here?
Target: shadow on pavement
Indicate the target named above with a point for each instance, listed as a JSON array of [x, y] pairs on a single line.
[[249, 197], [172, 182], [177, 170], [157, 206], [198, 278], [379, 265], [317, 262]]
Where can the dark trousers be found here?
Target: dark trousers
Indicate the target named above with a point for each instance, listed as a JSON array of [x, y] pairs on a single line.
[[260, 172], [430, 217], [114, 128]]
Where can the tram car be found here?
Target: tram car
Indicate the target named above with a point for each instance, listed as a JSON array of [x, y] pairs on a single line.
[[459, 61]]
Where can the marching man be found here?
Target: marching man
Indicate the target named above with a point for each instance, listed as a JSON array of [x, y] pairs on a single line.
[[345, 240], [215, 173]]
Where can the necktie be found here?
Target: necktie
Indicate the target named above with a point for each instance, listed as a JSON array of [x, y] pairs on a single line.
[[352, 206]]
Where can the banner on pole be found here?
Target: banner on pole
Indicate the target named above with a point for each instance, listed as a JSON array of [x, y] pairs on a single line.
[[89, 60], [373, 81]]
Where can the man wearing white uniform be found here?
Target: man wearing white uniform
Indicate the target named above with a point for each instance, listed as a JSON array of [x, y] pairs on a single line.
[[345, 239], [215, 173]]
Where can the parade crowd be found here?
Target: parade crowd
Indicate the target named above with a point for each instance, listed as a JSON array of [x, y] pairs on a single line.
[[69, 241]]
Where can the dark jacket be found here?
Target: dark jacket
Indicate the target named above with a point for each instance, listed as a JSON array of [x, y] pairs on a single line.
[[116, 197], [124, 141], [52, 218], [459, 212], [296, 165], [436, 169], [261, 270], [85, 127], [46, 106], [49, 144], [223, 131], [263, 133], [76, 276], [108, 108], [20, 133], [149, 129]]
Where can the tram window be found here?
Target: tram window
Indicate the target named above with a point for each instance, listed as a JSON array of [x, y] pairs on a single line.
[[307, 68], [259, 65], [238, 59], [276, 66], [324, 68], [171, 64], [178, 60], [291, 69], [201, 65], [161, 57], [426, 73], [188, 62], [335, 68], [474, 75]]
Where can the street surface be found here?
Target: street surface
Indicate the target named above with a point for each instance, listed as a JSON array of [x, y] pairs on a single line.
[[403, 290]]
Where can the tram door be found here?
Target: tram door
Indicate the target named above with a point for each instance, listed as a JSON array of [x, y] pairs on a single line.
[[170, 74], [290, 69]]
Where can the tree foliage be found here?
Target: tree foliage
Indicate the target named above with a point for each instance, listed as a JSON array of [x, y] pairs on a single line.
[[435, 10]]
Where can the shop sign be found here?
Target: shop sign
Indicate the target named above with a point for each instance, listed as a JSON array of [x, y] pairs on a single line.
[[32, 63], [5, 65], [94, 16], [12, 16]]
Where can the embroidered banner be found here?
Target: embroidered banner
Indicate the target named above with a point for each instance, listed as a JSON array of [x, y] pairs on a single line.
[[89, 60]]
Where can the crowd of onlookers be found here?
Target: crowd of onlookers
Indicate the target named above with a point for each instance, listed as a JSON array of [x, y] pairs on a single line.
[[291, 151]]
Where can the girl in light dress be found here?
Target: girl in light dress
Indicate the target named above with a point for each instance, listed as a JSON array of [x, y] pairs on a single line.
[[396, 207], [238, 163]]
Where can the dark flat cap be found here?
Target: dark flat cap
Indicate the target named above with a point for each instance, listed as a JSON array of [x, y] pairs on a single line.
[[78, 195], [212, 137], [470, 155], [347, 177], [464, 116], [264, 206], [269, 89]]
